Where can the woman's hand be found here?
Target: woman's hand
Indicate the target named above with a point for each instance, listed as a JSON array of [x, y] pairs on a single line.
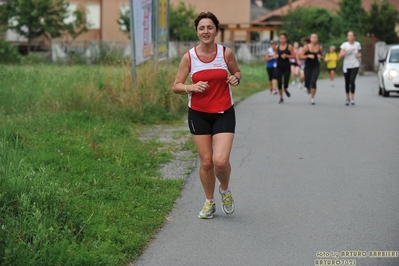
[[200, 86], [232, 80], [311, 56]]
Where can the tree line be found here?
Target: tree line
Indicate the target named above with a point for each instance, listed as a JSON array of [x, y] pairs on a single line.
[[378, 24]]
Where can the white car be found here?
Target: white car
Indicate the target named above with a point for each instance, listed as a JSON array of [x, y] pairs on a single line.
[[388, 74]]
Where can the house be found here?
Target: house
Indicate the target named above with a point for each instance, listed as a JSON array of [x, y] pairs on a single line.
[[234, 17], [102, 16]]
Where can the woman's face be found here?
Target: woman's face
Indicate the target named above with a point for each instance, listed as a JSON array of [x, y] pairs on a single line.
[[296, 45], [206, 30], [283, 39], [314, 38], [351, 36]]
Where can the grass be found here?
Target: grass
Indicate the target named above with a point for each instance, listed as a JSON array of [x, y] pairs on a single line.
[[77, 185]]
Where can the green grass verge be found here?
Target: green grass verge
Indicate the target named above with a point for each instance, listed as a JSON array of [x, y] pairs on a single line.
[[77, 186]]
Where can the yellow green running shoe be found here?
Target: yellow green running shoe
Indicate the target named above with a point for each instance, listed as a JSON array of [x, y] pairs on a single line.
[[227, 202], [207, 211]]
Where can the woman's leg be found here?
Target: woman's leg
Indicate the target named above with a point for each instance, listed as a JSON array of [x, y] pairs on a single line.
[[347, 75], [352, 78], [222, 144], [314, 76], [308, 77], [293, 74], [270, 75], [296, 73], [279, 75], [206, 169], [287, 73]]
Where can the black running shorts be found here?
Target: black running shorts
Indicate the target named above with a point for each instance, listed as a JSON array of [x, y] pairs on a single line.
[[201, 123]]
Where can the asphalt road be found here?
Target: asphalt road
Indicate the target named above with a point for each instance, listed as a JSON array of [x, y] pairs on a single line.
[[305, 179]]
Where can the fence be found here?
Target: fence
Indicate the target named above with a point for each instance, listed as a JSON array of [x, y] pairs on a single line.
[[93, 51]]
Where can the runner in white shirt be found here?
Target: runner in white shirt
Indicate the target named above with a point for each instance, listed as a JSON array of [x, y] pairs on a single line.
[[350, 51]]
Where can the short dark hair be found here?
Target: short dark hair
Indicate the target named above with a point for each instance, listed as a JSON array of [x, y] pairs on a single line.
[[209, 15], [305, 40], [284, 34]]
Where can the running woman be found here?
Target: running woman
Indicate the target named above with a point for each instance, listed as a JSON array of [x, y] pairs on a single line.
[[211, 116], [350, 51], [331, 59], [295, 64], [312, 53], [283, 70], [305, 41], [271, 64]]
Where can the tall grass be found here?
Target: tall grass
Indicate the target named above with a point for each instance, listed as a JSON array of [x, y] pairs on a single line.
[[106, 90]]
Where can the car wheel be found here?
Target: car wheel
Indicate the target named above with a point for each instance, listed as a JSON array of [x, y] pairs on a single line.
[[379, 90], [385, 93]]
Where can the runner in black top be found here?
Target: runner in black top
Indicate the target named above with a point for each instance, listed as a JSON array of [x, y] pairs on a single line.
[[312, 53], [283, 55]]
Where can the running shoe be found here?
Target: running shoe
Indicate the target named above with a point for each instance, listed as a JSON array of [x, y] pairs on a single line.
[[227, 202], [288, 93], [207, 211], [352, 102], [281, 101], [312, 101], [347, 102]]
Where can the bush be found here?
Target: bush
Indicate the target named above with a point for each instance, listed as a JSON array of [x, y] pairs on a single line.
[[8, 53]]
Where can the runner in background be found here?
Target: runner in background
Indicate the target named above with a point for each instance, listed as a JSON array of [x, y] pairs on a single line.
[[271, 64], [283, 56], [331, 59], [350, 51], [305, 41], [312, 53], [295, 64]]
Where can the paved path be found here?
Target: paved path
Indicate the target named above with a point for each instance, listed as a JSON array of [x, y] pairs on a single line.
[[305, 179]]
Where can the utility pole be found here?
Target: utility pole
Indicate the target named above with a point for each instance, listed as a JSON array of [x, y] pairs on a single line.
[[132, 44]]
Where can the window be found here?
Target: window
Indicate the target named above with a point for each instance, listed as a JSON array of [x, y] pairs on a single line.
[[93, 15], [71, 8]]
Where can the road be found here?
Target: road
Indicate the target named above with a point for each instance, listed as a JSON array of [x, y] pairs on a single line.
[[305, 179]]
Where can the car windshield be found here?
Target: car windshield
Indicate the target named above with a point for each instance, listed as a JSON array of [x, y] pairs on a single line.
[[394, 57]]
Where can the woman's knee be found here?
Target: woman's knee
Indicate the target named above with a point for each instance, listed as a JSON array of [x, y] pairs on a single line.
[[221, 164], [207, 164]]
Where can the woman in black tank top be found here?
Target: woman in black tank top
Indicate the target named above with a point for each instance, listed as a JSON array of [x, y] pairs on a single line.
[[312, 53], [284, 53]]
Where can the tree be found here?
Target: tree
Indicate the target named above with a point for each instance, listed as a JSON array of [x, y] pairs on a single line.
[[302, 22], [33, 19], [124, 21], [182, 23], [381, 22], [353, 15]]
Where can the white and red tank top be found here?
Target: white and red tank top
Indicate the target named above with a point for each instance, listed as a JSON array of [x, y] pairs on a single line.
[[217, 97]]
